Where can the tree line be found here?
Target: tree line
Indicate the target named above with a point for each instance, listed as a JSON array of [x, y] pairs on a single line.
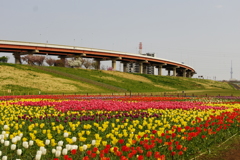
[[75, 62]]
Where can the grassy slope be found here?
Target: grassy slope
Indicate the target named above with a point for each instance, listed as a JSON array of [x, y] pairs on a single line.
[[24, 79], [37, 80], [147, 83]]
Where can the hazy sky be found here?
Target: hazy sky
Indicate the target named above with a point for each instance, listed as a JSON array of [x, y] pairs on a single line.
[[204, 34]]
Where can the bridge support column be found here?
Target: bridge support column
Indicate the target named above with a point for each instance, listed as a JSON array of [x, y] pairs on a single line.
[[98, 62], [189, 74], [114, 64], [169, 72], [144, 69], [174, 71], [141, 68], [160, 69], [63, 59], [17, 56], [124, 67], [184, 72]]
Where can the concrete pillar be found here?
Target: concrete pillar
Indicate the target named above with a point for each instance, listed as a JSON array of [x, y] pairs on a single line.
[[114, 64], [160, 69], [97, 63], [63, 59], [124, 67], [17, 56], [144, 69], [174, 71], [184, 72], [169, 72], [189, 74], [140, 67]]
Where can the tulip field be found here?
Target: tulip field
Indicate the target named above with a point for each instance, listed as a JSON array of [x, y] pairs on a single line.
[[74, 127]]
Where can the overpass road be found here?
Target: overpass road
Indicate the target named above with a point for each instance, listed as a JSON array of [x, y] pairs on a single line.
[[18, 48]]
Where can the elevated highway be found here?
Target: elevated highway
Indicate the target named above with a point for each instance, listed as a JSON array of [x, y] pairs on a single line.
[[18, 48]]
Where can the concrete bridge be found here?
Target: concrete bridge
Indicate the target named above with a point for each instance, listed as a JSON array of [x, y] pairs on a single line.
[[18, 48]]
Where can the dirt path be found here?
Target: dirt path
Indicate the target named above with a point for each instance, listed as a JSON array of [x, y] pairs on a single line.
[[228, 151]]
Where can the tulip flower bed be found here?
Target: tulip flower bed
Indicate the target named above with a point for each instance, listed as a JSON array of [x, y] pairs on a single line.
[[113, 127]]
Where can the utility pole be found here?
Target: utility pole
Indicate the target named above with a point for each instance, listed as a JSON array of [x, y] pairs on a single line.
[[231, 72]]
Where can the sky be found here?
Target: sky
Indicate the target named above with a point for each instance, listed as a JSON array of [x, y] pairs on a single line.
[[204, 34]]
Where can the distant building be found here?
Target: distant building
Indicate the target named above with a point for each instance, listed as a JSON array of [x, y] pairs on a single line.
[[134, 67]]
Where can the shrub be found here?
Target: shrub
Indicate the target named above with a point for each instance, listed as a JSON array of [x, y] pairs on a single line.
[[4, 59]]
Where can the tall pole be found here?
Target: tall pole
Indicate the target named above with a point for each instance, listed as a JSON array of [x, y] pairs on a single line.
[[231, 70], [140, 48]]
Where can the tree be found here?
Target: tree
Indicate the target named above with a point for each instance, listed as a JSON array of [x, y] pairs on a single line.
[[4, 59], [87, 63], [50, 61], [39, 60], [59, 63], [29, 59], [75, 62], [33, 60], [95, 65]]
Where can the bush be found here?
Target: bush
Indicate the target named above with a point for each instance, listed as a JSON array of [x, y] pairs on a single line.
[[4, 59], [59, 63]]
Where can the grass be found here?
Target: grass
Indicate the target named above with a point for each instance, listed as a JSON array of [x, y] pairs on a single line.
[[25, 79]]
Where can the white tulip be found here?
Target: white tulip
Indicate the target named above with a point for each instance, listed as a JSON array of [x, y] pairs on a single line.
[[6, 143], [58, 153], [68, 146], [0, 153], [4, 158], [93, 142], [2, 141], [39, 152], [60, 143], [13, 146], [74, 139], [21, 135], [18, 138], [38, 157], [74, 146], [31, 142], [25, 144], [47, 141], [64, 151], [84, 147], [44, 150], [14, 140], [59, 148], [65, 134], [19, 152], [53, 150], [5, 127]]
